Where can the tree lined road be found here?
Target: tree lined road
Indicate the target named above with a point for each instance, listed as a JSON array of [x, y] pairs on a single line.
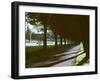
[[60, 28]]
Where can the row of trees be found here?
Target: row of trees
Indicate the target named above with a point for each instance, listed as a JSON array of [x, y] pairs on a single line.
[[49, 22]]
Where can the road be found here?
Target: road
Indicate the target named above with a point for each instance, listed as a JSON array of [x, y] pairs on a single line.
[[69, 54], [63, 59]]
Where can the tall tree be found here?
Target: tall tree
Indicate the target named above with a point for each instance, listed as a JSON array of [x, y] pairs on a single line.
[[33, 18], [65, 41], [60, 40], [28, 34]]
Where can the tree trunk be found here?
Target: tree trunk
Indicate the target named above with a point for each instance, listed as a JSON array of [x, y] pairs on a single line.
[[45, 37], [60, 41], [65, 42], [30, 36], [56, 45], [85, 39]]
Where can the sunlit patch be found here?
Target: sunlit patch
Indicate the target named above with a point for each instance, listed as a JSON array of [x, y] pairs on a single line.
[[82, 56]]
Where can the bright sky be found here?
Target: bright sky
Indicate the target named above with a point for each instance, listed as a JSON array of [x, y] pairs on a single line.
[[34, 28]]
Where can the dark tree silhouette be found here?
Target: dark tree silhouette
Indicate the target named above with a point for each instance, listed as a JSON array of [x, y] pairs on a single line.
[[33, 18], [60, 40], [65, 42], [28, 34]]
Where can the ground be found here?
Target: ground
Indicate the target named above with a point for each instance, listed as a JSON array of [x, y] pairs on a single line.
[[36, 56]]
